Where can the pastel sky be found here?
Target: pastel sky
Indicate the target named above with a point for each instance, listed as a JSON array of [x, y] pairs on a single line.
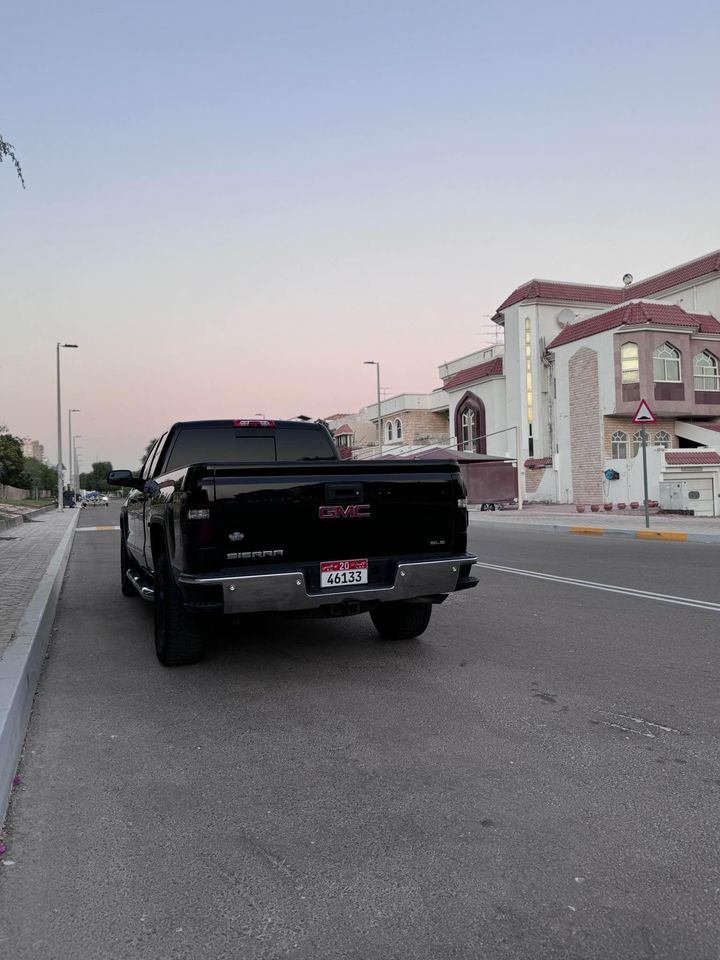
[[230, 205]]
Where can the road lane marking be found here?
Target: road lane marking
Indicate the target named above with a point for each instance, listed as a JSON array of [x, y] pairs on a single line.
[[648, 723], [619, 726], [83, 529], [607, 587]]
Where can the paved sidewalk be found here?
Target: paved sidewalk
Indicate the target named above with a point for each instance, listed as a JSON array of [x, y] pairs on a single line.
[[25, 552], [565, 515]]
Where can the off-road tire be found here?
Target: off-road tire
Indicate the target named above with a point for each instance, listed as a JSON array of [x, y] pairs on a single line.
[[178, 634], [128, 590], [401, 621]]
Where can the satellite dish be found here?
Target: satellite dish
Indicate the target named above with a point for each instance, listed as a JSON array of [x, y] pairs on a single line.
[[565, 317], [628, 279]]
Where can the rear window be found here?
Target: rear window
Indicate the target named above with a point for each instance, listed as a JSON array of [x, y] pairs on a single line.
[[228, 444]]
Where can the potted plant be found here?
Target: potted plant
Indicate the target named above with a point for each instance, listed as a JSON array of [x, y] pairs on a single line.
[[622, 506], [607, 506], [595, 507], [634, 505], [580, 507]]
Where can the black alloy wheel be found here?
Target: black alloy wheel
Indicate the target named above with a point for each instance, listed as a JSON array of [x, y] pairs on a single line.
[[178, 634]]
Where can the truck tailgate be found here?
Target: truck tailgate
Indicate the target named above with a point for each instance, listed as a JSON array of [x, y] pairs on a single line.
[[297, 513]]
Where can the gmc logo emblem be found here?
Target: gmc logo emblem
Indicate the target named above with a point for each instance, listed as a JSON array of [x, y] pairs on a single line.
[[359, 511]]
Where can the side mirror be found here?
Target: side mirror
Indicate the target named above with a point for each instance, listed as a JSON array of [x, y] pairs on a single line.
[[124, 478]]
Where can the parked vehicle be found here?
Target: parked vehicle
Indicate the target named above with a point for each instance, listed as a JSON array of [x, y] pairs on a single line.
[[236, 516]]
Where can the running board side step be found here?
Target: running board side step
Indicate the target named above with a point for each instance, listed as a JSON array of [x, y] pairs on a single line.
[[147, 593]]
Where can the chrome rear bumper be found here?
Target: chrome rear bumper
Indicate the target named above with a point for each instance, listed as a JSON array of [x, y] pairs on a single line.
[[288, 590]]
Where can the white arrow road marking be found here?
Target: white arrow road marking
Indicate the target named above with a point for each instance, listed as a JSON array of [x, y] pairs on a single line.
[[607, 587]]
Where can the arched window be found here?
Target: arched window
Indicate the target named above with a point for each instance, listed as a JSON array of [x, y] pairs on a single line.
[[470, 426], [389, 429], [705, 369], [619, 445], [666, 364], [636, 443], [398, 429], [469, 433], [630, 363], [662, 439]]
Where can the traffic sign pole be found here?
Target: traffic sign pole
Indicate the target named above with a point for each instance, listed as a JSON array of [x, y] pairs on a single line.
[[644, 415], [643, 434]]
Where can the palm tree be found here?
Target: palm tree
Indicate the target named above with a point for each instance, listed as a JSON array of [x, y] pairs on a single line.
[[7, 150]]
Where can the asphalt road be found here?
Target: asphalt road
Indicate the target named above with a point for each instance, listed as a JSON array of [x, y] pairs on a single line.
[[538, 777]]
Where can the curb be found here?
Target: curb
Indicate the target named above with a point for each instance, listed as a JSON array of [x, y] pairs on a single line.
[[22, 662], [672, 535], [9, 522], [28, 517]]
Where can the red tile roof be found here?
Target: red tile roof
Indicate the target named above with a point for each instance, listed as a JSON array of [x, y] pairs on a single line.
[[557, 290], [588, 293], [692, 458], [631, 314], [710, 263], [344, 429], [491, 368], [533, 462]]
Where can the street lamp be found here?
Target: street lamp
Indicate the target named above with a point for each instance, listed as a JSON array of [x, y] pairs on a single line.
[[71, 411], [375, 363], [65, 346], [76, 472]]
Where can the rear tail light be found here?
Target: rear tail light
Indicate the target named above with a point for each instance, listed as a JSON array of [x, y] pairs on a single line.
[[198, 526], [462, 503]]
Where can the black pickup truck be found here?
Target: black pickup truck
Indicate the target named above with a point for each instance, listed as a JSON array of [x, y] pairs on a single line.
[[236, 516]]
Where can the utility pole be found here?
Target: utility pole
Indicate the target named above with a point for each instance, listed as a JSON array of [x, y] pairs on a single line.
[[379, 405]]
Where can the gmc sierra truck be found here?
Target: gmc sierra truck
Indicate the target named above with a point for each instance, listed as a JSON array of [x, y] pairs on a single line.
[[239, 516]]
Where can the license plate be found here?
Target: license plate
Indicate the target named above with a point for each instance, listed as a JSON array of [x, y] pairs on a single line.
[[343, 573]]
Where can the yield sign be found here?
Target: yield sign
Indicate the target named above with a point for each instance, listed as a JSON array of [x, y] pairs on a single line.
[[643, 414]]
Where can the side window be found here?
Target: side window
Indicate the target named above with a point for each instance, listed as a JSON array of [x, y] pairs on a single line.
[[152, 460], [619, 445], [630, 363], [666, 364], [705, 368]]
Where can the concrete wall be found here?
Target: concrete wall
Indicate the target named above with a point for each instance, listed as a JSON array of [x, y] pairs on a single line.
[[13, 493], [695, 297], [630, 485]]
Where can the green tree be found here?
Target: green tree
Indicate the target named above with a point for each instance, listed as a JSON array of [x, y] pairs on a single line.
[[38, 476], [33, 476], [7, 152], [148, 448], [11, 460], [96, 479]]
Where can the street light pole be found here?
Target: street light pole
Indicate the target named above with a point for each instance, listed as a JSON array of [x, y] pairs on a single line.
[[76, 471], [72, 346], [71, 483], [379, 401]]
